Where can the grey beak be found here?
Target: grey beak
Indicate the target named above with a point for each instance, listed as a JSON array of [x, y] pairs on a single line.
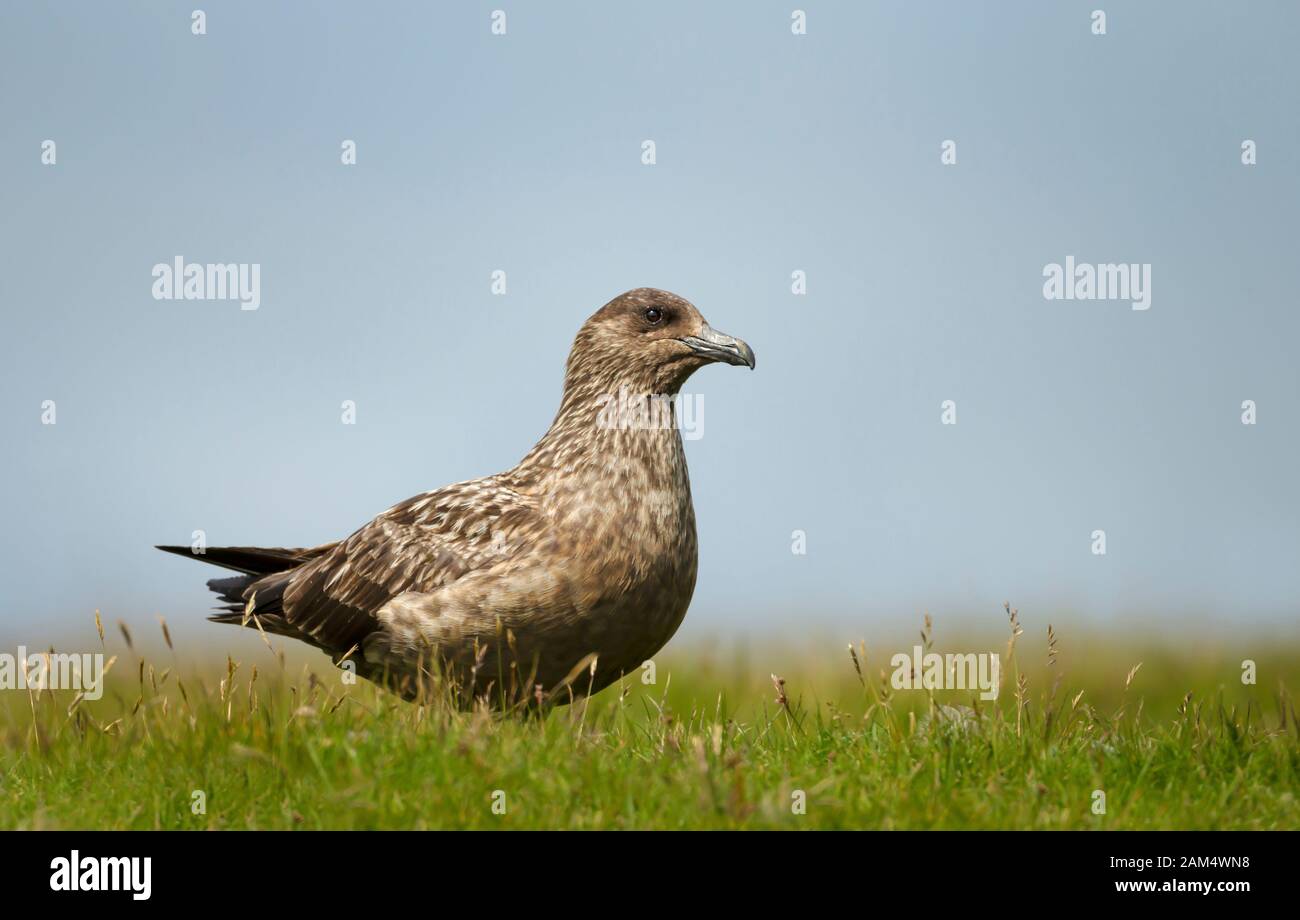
[[717, 346]]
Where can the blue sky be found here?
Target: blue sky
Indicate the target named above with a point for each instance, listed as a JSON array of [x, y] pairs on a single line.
[[775, 153]]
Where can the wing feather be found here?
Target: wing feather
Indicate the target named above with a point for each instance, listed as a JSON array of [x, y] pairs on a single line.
[[421, 544]]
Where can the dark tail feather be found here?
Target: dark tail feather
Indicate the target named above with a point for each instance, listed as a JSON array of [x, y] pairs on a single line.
[[258, 590], [255, 603], [251, 560], [267, 622], [263, 591], [231, 590]]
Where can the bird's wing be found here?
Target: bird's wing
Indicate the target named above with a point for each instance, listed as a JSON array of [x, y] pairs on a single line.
[[419, 545]]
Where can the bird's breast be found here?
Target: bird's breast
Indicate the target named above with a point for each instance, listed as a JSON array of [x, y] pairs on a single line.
[[630, 531]]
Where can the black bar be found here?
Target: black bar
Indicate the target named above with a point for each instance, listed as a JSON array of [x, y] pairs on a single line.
[[364, 869]]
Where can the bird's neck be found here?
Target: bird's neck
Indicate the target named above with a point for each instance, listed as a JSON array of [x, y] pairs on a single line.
[[618, 432]]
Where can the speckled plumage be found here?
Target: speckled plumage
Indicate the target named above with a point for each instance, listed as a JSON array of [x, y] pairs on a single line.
[[586, 547]]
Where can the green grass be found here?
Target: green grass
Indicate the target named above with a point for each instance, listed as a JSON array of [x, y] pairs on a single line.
[[708, 745]]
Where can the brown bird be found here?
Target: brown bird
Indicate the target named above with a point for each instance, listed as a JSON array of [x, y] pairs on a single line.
[[550, 580]]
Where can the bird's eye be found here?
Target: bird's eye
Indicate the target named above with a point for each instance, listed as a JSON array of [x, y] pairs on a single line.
[[654, 316]]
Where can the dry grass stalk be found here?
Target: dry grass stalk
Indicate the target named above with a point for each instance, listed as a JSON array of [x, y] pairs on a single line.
[[1131, 674], [126, 635]]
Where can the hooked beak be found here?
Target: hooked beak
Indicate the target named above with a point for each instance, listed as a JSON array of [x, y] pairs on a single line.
[[716, 346]]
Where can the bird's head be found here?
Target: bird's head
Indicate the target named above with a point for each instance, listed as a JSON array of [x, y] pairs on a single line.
[[652, 339]]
